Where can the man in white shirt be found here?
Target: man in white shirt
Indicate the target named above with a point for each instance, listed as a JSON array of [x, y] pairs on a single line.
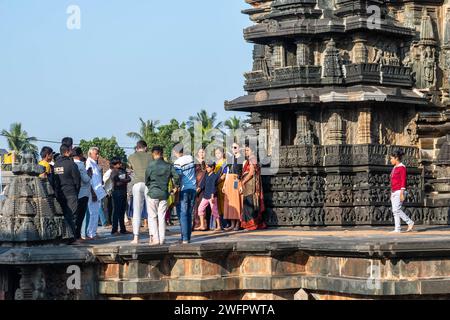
[[108, 202], [97, 191]]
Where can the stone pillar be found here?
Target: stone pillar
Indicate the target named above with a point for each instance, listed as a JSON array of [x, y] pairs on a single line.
[[336, 127], [277, 56], [360, 52], [364, 126], [271, 122], [304, 134], [303, 54]]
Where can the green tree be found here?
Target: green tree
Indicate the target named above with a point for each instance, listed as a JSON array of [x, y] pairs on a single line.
[[207, 122], [109, 148], [165, 135], [18, 139], [154, 134], [235, 123], [147, 132]]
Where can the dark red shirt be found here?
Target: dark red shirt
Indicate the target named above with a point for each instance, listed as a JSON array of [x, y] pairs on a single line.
[[398, 178]]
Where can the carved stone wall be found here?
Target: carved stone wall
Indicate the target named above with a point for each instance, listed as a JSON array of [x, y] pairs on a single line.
[[30, 213], [359, 82]]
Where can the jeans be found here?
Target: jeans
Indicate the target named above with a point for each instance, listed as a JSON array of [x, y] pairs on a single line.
[[185, 207], [224, 223], [398, 212], [85, 224], [119, 205], [102, 216]]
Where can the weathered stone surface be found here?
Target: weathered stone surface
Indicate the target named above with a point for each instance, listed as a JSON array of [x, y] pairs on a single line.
[[30, 214], [343, 94]]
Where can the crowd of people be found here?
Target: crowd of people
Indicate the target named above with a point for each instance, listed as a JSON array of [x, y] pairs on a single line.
[[221, 192]]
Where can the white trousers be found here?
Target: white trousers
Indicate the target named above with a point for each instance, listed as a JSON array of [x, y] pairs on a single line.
[[398, 212], [140, 192], [157, 220], [94, 210]]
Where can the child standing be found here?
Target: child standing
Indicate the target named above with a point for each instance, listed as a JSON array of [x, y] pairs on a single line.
[[209, 188]]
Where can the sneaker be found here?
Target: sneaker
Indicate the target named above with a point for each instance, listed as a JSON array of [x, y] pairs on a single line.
[[186, 242], [410, 227]]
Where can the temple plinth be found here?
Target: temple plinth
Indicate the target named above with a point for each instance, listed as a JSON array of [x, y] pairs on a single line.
[[345, 86]]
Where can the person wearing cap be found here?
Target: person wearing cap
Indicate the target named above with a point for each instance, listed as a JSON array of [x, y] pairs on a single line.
[[119, 181]]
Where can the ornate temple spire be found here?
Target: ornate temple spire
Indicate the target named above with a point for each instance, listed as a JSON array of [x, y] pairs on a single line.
[[447, 30], [30, 214], [426, 29], [332, 64]]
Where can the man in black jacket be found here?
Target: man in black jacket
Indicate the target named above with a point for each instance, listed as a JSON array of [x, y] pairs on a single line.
[[67, 185]]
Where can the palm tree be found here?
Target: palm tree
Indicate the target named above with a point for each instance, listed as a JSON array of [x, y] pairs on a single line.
[[235, 123], [147, 132], [207, 122], [18, 139]]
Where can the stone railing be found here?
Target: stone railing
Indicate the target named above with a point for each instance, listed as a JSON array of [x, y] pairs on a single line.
[[396, 76], [363, 72], [291, 76]]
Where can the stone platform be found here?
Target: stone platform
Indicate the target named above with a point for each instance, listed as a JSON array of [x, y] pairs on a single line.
[[282, 263]]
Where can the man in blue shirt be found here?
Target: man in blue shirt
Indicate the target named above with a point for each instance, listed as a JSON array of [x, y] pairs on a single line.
[[185, 167]]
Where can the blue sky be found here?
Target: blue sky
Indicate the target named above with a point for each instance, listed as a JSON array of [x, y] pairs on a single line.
[[130, 59]]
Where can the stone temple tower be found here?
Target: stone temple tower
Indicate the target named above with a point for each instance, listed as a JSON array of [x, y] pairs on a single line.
[[345, 82], [30, 214]]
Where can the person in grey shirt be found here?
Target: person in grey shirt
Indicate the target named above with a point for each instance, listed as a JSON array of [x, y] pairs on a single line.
[[85, 190]]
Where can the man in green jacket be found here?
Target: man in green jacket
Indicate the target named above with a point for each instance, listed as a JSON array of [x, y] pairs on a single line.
[[157, 177]]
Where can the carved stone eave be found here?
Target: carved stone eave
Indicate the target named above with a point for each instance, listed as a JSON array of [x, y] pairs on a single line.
[[259, 10], [266, 32], [317, 96]]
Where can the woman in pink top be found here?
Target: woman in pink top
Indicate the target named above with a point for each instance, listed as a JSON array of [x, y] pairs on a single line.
[[398, 189]]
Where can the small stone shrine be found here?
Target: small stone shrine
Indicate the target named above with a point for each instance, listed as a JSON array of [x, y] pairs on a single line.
[[30, 214], [345, 82]]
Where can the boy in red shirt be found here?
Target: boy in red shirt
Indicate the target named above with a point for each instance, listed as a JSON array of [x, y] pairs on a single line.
[[398, 186]]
